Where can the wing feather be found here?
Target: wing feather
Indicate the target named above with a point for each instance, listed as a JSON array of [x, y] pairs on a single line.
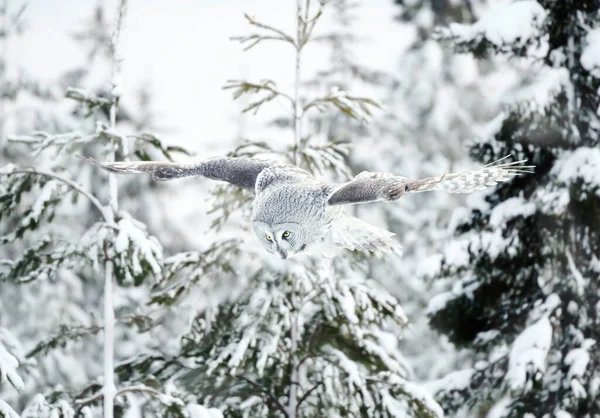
[[375, 187], [468, 181], [241, 172], [353, 234]]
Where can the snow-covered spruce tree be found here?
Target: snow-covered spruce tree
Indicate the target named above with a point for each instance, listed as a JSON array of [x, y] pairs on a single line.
[[296, 338], [60, 245], [524, 264], [25, 104]]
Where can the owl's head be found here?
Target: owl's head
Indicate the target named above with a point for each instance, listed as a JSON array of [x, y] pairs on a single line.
[[283, 239]]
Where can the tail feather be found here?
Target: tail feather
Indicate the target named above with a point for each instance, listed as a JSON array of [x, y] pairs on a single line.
[[476, 179], [353, 234]]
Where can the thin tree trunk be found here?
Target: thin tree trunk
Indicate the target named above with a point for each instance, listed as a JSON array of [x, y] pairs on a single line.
[[110, 388]]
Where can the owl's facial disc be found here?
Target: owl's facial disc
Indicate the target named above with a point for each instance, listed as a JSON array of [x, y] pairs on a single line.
[[284, 240]]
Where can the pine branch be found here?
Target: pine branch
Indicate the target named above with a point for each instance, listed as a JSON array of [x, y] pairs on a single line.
[[272, 398], [306, 395], [132, 389], [40, 140], [354, 106], [256, 38], [106, 214], [242, 87]]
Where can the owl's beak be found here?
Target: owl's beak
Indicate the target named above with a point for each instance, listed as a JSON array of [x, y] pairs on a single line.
[[283, 255]]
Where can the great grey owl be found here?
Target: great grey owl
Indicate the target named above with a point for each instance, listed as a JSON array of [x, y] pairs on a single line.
[[293, 210]]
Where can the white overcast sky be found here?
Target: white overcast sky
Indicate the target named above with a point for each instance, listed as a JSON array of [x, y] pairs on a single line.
[[182, 48]]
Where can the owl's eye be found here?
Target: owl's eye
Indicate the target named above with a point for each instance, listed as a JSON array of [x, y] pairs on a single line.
[[286, 234], [269, 238]]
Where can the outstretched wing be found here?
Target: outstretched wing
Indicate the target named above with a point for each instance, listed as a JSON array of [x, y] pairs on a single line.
[[241, 172], [375, 187]]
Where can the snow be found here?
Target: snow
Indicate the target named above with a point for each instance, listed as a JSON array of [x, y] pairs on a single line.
[[419, 393], [456, 253], [464, 69], [506, 22], [199, 411], [500, 408], [132, 233], [348, 304], [578, 360], [7, 169], [464, 287], [578, 389], [542, 90], [583, 163], [37, 407], [7, 411], [553, 202], [528, 353], [578, 280], [8, 369], [48, 193], [354, 376], [457, 380], [590, 57], [509, 209]]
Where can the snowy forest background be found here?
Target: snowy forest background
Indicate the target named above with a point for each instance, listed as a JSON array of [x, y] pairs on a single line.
[[125, 297]]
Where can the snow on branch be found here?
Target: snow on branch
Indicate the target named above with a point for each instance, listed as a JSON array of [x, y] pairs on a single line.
[[40, 141], [11, 170], [8, 369], [527, 360], [6, 411], [328, 156], [184, 270], [506, 26], [64, 334], [40, 261], [136, 253], [590, 57], [42, 407], [581, 165]]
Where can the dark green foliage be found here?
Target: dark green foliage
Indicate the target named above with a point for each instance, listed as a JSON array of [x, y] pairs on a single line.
[[541, 259]]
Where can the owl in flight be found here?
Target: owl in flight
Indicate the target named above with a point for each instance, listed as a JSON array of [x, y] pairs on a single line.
[[293, 210]]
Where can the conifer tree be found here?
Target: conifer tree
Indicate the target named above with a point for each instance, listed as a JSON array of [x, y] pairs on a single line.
[[304, 337], [89, 263], [435, 101], [524, 264]]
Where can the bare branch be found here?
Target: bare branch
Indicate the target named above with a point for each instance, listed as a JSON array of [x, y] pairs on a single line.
[[255, 39], [306, 395]]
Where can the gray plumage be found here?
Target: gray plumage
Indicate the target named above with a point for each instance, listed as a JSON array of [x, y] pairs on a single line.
[[293, 210]]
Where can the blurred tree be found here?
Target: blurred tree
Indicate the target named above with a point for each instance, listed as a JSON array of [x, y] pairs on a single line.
[[524, 262], [52, 243], [435, 100]]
